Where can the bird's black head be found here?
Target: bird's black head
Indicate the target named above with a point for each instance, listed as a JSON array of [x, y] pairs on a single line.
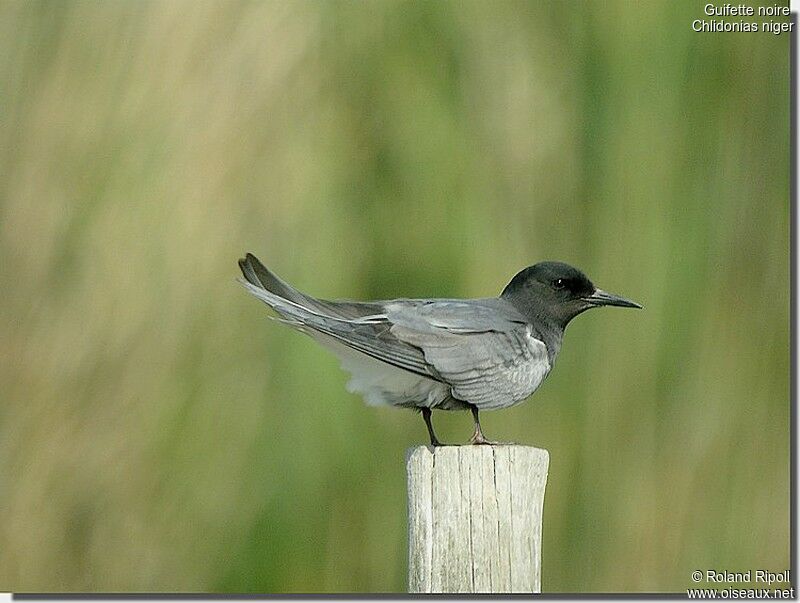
[[559, 292]]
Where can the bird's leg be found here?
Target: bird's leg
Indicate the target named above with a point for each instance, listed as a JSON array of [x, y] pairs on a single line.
[[426, 414], [477, 436]]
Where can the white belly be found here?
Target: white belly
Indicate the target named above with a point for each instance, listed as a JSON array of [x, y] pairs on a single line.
[[382, 383]]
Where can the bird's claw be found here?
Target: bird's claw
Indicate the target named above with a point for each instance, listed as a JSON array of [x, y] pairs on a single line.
[[477, 439]]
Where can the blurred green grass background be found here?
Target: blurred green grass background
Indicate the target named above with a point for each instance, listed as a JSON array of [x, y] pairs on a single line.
[[158, 433]]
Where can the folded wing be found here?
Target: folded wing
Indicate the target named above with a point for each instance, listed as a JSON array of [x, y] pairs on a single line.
[[485, 351]]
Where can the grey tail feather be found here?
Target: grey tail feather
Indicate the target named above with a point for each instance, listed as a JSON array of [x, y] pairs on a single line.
[[260, 276], [257, 274]]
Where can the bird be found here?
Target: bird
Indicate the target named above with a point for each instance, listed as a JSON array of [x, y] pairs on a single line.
[[442, 354]]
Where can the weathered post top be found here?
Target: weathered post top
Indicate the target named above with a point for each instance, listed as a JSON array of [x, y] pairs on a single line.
[[475, 518]]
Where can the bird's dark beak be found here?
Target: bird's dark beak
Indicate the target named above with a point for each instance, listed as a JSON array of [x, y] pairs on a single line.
[[602, 298]]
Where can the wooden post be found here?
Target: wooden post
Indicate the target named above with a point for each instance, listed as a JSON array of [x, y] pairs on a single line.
[[475, 518]]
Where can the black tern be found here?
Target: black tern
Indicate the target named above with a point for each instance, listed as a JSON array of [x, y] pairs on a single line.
[[443, 354]]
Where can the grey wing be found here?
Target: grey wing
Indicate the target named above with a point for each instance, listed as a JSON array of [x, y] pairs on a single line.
[[485, 351], [361, 326]]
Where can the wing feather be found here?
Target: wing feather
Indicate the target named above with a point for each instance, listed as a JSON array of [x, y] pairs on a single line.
[[359, 326]]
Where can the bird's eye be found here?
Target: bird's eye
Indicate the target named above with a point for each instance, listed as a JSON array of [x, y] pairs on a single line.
[[559, 283]]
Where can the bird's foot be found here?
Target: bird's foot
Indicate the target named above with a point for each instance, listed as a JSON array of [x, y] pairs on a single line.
[[477, 439]]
